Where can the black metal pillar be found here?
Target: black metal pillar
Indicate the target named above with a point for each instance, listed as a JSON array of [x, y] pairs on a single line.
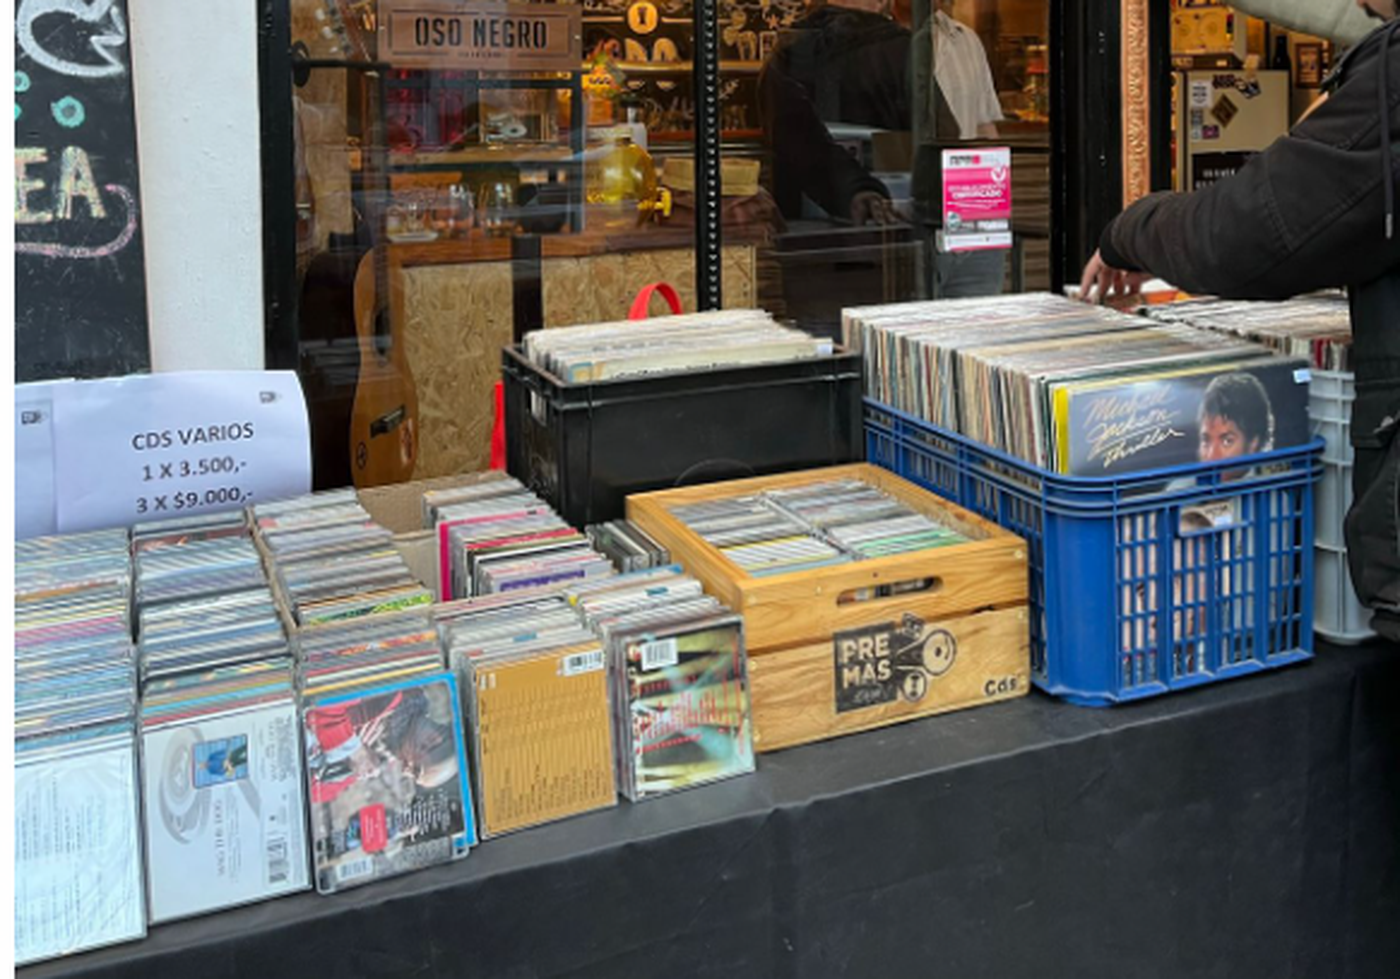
[[708, 190]]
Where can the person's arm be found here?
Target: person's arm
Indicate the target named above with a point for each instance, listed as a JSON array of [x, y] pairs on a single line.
[[1338, 20], [1307, 213]]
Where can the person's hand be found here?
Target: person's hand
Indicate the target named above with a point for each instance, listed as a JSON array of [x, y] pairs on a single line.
[[1102, 281], [869, 207]]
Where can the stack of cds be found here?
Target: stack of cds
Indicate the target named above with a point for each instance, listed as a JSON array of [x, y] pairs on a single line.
[[628, 546], [209, 633], [1079, 390], [188, 530], [862, 521], [537, 704], [679, 675], [225, 816], [382, 648], [668, 345], [223, 791], [217, 566], [499, 537], [759, 537], [202, 597], [599, 603], [1317, 328], [781, 531], [483, 486], [332, 561], [78, 882], [385, 756]]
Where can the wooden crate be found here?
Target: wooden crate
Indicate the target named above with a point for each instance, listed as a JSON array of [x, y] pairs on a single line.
[[823, 662]]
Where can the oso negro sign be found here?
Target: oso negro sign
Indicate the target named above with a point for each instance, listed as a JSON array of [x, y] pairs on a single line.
[[481, 36]]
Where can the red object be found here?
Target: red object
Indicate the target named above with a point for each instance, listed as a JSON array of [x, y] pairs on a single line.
[[331, 726], [641, 306], [498, 430], [374, 829], [641, 309]]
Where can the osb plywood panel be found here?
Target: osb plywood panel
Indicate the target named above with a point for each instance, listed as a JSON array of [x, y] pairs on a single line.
[[586, 290], [601, 288], [457, 318]]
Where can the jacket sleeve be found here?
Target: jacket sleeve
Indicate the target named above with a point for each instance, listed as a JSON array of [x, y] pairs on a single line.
[[1307, 213], [807, 154], [1338, 20]]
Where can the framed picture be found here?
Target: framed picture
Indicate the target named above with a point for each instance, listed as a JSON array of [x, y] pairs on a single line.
[[1308, 62]]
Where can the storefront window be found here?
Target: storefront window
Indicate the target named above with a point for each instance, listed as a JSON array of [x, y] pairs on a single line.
[[457, 187], [860, 99]]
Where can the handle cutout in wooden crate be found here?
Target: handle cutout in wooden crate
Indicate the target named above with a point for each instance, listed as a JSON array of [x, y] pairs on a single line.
[[899, 589]]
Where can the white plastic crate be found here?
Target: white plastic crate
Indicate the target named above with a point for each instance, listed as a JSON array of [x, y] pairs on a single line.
[[1338, 616]]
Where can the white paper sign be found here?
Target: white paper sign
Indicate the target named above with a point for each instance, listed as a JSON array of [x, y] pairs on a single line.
[[35, 512], [152, 447]]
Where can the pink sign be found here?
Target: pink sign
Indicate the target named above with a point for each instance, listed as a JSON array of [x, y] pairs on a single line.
[[976, 200]]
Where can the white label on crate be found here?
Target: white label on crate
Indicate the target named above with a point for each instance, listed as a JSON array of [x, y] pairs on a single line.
[[660, 654], [589, 662], [1302, 376]]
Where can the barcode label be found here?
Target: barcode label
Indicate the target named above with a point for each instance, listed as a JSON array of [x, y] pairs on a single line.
[[590, 662], [354, 869], [660, 654], [279, 868]]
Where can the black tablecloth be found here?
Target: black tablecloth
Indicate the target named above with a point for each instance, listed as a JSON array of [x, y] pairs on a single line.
[[1247, 830]]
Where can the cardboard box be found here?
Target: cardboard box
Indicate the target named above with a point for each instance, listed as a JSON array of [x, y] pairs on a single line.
[[399, 507]]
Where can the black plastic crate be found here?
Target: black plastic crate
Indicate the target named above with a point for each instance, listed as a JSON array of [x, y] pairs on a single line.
[[586, 447]]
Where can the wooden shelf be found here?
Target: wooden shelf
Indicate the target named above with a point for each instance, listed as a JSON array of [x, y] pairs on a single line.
[[483, 155], [683, 67], [479, 247]]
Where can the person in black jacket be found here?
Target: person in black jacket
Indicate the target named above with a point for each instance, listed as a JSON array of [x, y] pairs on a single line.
[[1315, 210], [836, 64]]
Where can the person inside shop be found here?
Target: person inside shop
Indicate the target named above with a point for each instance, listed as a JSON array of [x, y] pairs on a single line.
[[955, 101], [843, 61], [855, 62], [1315, 210]]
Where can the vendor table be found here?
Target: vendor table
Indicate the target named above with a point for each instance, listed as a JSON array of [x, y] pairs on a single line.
[[1247, 830]]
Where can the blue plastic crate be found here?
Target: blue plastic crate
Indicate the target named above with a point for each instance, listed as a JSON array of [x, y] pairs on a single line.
[[1141, 584]]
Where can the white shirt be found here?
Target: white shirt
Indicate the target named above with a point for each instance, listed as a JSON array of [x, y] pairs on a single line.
[[963, 74]]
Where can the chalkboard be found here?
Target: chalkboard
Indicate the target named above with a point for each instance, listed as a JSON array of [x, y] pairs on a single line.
[[80, 283]]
